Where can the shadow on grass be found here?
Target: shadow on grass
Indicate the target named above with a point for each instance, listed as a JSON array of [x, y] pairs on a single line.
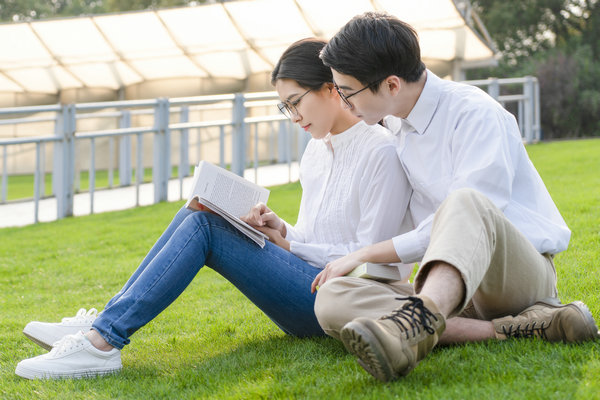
[[287, 367]]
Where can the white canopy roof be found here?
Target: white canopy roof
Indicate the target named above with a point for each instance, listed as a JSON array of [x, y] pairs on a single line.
[[224, 40]]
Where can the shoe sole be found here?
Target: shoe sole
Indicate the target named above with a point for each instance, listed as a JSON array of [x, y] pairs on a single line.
[[361, 342], [39, 342], [28, 373], [37, 334], [592, 330]]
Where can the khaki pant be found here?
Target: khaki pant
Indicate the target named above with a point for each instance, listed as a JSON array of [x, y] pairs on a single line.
[[502, 272]]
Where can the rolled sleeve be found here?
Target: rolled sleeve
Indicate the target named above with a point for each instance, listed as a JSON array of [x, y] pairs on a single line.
[[411, 246]]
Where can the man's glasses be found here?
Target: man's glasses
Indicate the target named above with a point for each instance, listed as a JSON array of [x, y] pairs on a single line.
[[346, 97], [289, 108]]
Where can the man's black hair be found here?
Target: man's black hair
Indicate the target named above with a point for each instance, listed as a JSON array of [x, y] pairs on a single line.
[[373, 46]]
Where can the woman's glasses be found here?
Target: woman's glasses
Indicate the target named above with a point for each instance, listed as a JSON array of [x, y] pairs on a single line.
[[289, 108]]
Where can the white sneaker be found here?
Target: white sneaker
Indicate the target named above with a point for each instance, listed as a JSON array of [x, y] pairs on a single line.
[[73, 356], [47, 333]]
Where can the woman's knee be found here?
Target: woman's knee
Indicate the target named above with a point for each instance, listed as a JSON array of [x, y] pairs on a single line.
[[201, 218]]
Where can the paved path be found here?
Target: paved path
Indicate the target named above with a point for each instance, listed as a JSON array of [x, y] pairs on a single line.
[[20, 214]]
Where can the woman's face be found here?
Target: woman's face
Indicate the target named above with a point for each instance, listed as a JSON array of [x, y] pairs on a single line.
[[316, 110]]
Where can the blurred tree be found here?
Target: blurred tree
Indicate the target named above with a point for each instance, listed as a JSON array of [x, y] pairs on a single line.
[[27, 10], [559, 42], [128, 5], [522, 28]]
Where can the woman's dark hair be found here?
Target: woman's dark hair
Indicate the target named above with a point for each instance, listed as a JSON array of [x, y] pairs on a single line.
[[301, 63], [373, 46]]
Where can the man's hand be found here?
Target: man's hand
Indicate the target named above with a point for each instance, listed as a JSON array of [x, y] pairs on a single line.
[[260, 216]]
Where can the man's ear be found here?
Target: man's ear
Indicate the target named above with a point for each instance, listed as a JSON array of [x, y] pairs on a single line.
[[393, 84]]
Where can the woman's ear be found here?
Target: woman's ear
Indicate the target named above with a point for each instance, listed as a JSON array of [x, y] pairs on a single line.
[[330, 87]]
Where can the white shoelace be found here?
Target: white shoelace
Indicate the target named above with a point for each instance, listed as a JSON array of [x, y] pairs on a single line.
[[82, 317], [68, 343]]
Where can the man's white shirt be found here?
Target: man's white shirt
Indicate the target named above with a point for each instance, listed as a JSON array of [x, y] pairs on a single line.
[[456, 136]]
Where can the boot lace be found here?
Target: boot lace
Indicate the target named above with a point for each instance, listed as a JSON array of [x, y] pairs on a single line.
[[527, 331], [412, 317], [82, 317]]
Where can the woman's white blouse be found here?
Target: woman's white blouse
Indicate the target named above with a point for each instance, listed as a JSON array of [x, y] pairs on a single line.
[[354, 193]]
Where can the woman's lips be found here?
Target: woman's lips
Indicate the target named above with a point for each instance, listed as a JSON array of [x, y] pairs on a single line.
[[305, 127]]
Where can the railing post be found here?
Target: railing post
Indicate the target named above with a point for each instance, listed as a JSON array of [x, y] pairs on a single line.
[[537, 125], [161, 162], [494, 88], [303, 138], [283, 142], [64, 161], [125, 150], [184, 149], [4, 174], [528, 109], [238, 159]]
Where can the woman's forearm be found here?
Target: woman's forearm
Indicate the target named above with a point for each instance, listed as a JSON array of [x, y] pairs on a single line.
[[382, 252]]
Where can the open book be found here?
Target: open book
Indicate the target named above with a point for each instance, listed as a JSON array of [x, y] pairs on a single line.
[[378, 272], [228, 195]]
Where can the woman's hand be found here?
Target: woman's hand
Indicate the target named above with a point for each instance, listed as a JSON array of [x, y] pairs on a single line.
[[339, 267], [275, 237], [261, 216], [382, 252], [196, 205]]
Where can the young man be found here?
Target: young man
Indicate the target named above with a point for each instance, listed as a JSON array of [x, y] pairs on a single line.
[[486, 228]]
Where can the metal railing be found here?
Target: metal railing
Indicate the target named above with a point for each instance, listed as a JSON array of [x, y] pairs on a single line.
[[241, 138], [527, 110], [243, 133]]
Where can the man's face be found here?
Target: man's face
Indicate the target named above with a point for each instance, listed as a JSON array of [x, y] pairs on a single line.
[[368, 106]]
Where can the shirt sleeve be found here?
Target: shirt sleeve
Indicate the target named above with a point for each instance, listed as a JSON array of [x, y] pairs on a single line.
[[411, 246], [293, 234], [384, 194]]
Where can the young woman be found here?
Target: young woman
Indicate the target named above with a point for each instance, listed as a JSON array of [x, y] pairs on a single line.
[[354, 194]]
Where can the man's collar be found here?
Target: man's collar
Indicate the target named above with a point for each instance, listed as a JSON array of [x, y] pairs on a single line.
[[422, 113]]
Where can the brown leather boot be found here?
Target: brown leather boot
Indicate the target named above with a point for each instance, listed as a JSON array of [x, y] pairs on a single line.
[[394, 344], [550, 320]]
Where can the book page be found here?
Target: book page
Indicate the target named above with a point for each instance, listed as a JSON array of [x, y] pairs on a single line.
[[238, 197], [228, 195], [225, 189], [257, 236]]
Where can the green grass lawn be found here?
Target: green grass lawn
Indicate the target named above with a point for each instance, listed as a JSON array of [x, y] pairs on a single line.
[[21, 187], [213, 343]]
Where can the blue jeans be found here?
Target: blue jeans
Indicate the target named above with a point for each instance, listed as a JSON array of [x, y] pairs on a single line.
[[274, 279]]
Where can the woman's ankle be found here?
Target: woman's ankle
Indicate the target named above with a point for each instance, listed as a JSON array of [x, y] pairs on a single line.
[[98, 341]]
